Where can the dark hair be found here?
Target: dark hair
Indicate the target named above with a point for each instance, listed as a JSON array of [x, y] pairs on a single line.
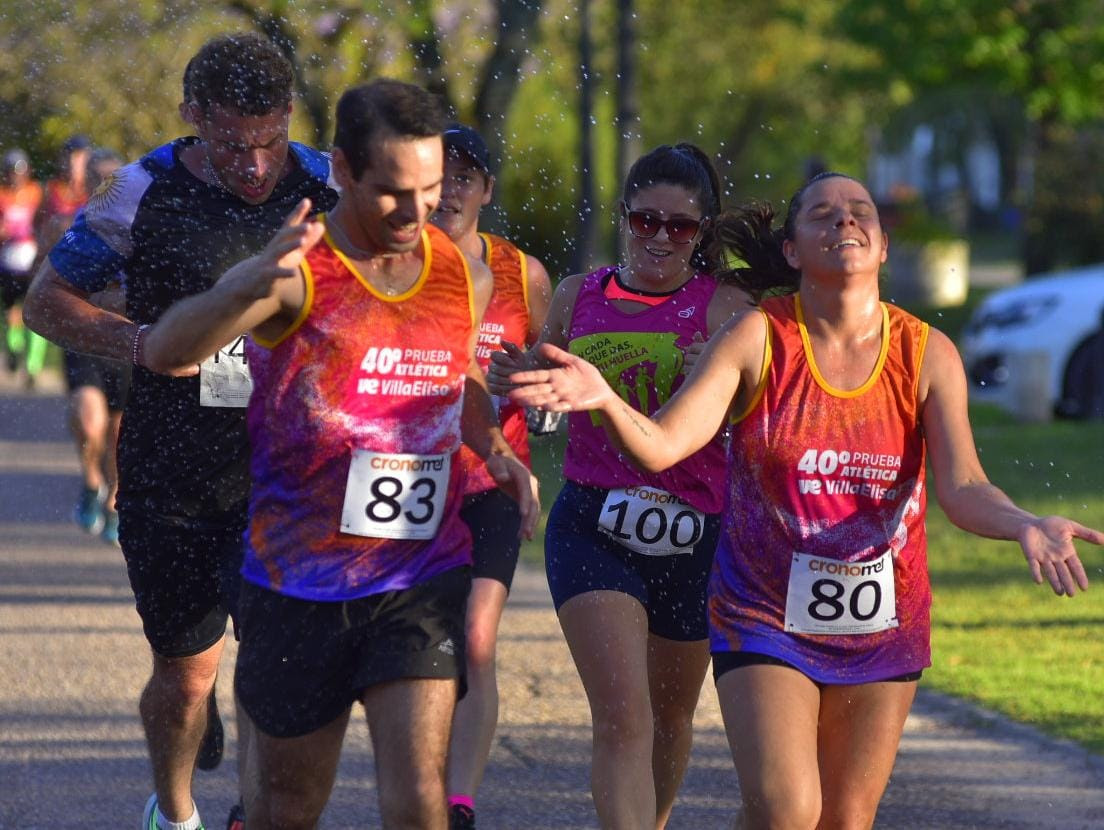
[[747, 238], [384, 105], [688, 166], [188, 81], [243, 72]]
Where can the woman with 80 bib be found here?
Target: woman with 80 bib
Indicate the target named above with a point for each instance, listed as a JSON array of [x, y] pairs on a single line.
[[628, 553], [819, 598]]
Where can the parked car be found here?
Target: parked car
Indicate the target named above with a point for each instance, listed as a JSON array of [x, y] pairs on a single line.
[[1051, 327]]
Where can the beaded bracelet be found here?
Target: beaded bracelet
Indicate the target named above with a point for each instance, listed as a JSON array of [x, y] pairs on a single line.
[[136, 344]]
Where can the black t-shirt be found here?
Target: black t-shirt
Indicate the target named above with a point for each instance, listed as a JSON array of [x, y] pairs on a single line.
[[172, 235]]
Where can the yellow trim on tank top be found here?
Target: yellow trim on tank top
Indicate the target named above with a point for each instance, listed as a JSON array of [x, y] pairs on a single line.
[[468, 279], [925, 329], [761, 386], [522, 264], [819, 378], [308, 301], [427, 260]]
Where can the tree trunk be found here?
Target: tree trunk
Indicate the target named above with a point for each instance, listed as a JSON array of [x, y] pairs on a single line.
[[628, 109], [425, 43], [584, 254], [499, 78]]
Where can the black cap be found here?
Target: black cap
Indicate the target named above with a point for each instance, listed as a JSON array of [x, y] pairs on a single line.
[[76, 142], [464, 138]]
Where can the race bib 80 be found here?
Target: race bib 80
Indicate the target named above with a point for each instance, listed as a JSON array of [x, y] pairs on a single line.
[[827, 596], [395, 495], [651, 521]]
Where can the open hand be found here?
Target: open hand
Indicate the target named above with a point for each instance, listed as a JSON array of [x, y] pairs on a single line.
[[1047, 544], [570, 385], [254, 278]]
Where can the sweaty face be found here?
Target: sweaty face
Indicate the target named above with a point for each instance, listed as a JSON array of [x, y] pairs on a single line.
[[658, 263], [837, 230], [247, 152], [395, 193], [464, 191]]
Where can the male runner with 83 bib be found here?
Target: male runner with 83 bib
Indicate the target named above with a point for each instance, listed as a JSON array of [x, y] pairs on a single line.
[[357, 564], [170, 224], [819, 598]]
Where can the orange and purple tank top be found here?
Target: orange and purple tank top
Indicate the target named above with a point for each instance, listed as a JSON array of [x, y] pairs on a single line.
[[823, 555], [354, 421], [640, 355], [506, 318]]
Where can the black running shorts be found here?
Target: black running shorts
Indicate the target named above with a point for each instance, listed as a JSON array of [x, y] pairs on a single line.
[[112, 377], [726, 661], [580, 558], [185, 576], [302, 663], [494, 521]]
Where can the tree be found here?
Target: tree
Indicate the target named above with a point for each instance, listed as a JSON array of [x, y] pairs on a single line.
[[1046, 56]]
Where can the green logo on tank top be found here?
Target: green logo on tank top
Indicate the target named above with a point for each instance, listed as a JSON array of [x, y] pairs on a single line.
[[633, 363]]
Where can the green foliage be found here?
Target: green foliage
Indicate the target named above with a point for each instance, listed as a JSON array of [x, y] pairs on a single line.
[[1047, 53]]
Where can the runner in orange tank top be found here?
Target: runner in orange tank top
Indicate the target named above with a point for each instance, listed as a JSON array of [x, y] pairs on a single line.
[[356, 569], [818, 598], [516, 313]]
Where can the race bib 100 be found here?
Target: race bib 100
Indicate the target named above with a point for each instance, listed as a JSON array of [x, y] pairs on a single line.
[[827, 596], [395, 495], [651, 521], [224, 378]]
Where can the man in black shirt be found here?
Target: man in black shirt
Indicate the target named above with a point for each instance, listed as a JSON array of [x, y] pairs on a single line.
[[171, 223]]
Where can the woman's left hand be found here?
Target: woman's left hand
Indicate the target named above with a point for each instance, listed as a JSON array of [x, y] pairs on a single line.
[[1047, 544]]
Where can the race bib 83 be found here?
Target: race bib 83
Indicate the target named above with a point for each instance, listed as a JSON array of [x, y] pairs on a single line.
[[395, 495]]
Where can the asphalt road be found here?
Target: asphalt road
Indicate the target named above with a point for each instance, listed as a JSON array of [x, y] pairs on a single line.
[[73, 660]]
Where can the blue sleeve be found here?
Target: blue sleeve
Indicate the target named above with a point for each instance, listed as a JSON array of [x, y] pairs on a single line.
[[83, 259], [96, 247]]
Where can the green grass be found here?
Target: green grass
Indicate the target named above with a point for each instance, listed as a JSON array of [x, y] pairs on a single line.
[[998, 639]]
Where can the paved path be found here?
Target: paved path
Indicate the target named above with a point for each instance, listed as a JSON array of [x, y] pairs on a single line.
[[72, 662]]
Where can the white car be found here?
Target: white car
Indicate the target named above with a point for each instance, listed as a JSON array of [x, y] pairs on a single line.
[[1040, 345]]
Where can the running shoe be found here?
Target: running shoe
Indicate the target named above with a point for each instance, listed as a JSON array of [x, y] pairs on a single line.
[[149, 817], [89, 513], [461, 817], [236, 821], [210, 751], [110, 532]]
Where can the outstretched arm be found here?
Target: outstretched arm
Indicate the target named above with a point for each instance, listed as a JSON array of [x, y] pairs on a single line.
[[728, 370], [965, 493], [252, 292]]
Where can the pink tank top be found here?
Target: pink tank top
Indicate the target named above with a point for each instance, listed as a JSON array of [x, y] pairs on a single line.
[[641, 357], [823, 555], [354, 421]]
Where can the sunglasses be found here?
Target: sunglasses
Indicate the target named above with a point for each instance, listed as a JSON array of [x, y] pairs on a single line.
[[645, 225]]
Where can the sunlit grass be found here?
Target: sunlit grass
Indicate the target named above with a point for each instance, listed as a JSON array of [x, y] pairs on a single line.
[[998, 638]]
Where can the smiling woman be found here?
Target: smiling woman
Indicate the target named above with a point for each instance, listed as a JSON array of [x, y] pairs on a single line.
[[628, 553], [819, 601]]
